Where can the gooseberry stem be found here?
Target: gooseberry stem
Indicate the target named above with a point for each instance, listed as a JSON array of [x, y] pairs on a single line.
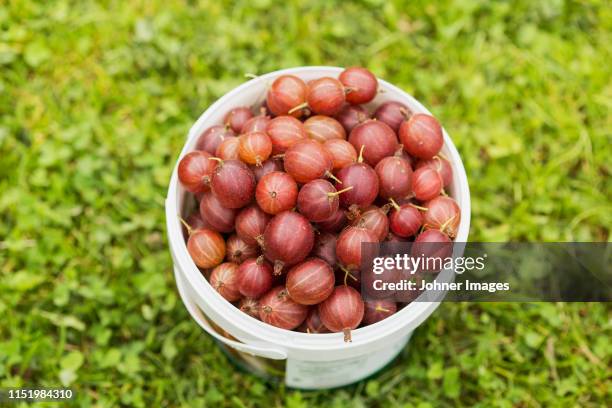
[[394, 204], [329, 174], [187, 226], [360, 158], [344, 190], [418, 207], [297, 108]]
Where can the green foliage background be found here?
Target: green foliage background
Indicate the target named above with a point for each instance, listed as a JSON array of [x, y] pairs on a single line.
[[95, 103]]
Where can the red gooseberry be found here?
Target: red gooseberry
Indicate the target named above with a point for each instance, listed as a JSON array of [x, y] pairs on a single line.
[[342, 311], [224, 279], [257, 123], [322, 128], [421, 136], [277, 309], [348, 245], [206, 247], [392, 113], [285, 131], [426, 183], [352, 115], [212, 137], [378, 139], [324, 96], [270, 165], [364, 181], [307, 160], [374, 219], [405, 220], [361, 85], [395, 176], [238, 250], [233, 183], [254, 148], [237, 117], [228, 149], [215, 214], [442, 214], [288, 239], [195, 171], [342, 153], [318, 200], [310, 282], [276, 192], [250, 307], [440, 165], [285, 93], [251, 223], [254, 277]]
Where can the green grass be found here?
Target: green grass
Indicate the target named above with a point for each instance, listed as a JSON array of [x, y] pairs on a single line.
[[95, 103]]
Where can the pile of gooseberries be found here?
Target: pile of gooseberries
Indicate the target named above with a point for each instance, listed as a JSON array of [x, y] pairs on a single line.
[[286, 196]]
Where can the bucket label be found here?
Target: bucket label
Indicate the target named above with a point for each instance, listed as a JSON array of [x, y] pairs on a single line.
[[336, 373]]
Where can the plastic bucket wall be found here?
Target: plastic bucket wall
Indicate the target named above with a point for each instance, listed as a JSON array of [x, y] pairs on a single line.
[[310, 361]]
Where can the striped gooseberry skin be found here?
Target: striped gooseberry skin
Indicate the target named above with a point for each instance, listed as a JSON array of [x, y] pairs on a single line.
[[228, 149], [351, 116], [427, 184], [288, 239], [254, 148], [195, 171], [218, 216], [250, 307], [224, 279], [285, 93], [392, 113], [233, 183], [374, 219], [342, 311], [237, 117], [310, 282], [325, 96], [377, 138], [251, 223], [254, 277], [441, 165], [348, 245], [238, 250], [206, 247], [443, 214], [395, 176], [405, 220], [307, 160], [267, 167], [421, 136], [322, 128], [212, 137], [360, 83], [342, 153], [318, 200], [276, 192], [284, 131], [277, 308], [365, 185], [257, 123]]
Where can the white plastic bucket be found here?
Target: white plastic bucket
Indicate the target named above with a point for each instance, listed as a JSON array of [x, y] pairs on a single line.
[[301, 360]]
